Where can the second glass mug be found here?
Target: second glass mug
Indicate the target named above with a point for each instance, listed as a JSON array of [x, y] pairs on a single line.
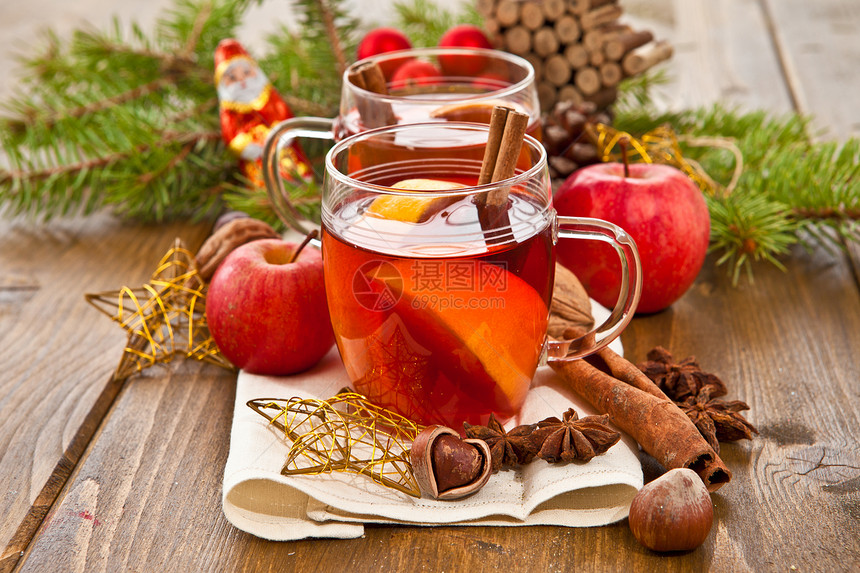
[[471, 82], [436, 315]]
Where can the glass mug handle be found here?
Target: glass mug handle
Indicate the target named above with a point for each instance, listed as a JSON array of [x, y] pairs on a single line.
[[283, 133], [628, 297]]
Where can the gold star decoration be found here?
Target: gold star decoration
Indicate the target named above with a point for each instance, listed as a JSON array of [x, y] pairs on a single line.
[[345, 433], [164, 317]]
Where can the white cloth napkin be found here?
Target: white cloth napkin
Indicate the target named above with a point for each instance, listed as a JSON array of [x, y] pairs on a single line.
[[258, 499]]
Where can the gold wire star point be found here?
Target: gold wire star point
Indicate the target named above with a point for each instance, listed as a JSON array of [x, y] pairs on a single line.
[[163, 318]]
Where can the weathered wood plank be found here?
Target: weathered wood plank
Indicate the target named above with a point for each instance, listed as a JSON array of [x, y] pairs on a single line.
[[819, 47], [57, 353], [723, 54]]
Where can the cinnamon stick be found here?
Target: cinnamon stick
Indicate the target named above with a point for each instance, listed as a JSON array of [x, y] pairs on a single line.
[[498, 119], [600, 16], [613, 386], [578, 7], [567, 29], [531, 16], [639, 60], [596, 58], [374, 79], [610, 74], [553, 9], [518, 40], [508, 12], [504, 143], [587, 80], [570, 93], [545, 42], [557, 70], [485, 7], [620, 44], [547, 94], [369, 77], [576, 55]]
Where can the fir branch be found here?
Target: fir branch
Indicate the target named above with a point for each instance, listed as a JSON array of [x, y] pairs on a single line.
[[51, 117]]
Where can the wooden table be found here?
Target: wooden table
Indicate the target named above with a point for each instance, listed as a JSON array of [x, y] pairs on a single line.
[[98, 475]]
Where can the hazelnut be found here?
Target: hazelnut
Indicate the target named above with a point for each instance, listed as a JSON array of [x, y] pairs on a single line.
[[448, 467], [672, 513]]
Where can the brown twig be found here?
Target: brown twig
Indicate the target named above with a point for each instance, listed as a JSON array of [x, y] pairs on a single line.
[[331, 32], [196, 30]]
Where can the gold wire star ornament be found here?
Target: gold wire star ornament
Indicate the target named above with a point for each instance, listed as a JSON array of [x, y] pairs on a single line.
[[345, 433], [164, 317]]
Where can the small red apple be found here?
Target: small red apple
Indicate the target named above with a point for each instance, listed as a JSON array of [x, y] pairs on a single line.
[[463, 36], [382, 40], [659, 207], [266, 311], [415, 73]]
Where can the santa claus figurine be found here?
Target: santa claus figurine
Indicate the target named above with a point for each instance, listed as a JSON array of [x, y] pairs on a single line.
[[249, 107]]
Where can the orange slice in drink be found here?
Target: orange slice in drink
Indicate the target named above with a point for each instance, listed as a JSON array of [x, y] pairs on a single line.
[[413, 209], [475, 111], [492, 353]]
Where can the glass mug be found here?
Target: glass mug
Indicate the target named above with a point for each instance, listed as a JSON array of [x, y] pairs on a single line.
[[471, 83], [437, 315]]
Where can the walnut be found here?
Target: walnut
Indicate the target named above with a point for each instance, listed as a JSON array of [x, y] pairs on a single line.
[[571, 306], [226, 238]]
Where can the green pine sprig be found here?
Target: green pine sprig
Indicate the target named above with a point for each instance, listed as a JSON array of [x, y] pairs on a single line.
[[791, 190], [130, 122]]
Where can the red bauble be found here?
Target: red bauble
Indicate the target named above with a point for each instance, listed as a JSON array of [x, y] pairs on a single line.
[[415, 72], [382, 40], [463, 36], [659, 207]]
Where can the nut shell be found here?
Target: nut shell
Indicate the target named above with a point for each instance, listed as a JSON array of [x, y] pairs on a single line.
[[672, 513], [421, 457]]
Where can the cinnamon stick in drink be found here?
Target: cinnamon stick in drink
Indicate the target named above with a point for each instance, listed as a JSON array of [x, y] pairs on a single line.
[[504, 143], [374, 113]]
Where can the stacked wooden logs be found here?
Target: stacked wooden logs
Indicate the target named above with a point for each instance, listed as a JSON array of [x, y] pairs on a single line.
[[579, 49]]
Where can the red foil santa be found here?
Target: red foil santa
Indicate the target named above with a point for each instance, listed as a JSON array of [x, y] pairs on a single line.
[[249, 107]]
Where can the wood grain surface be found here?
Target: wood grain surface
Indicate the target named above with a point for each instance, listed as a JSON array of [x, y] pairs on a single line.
[[128, 476]]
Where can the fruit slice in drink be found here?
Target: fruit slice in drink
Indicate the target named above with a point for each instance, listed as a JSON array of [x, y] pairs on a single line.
[[489, 354], [413, 209], [476, 112]]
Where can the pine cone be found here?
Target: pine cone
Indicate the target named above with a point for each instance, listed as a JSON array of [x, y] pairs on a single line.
[[567, 144]]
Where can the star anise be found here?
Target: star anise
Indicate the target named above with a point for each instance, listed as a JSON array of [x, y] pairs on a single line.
[[572, 438], [718, 420], [507, 449], [679, 380]]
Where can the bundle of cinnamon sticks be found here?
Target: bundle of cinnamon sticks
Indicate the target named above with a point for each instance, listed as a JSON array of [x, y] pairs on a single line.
[[579, 49], [504, 144], [614, 386]]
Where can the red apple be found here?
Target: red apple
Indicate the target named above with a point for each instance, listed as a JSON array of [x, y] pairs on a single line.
[[267, 312], [463, 36], [659, 207], [415, 73]]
